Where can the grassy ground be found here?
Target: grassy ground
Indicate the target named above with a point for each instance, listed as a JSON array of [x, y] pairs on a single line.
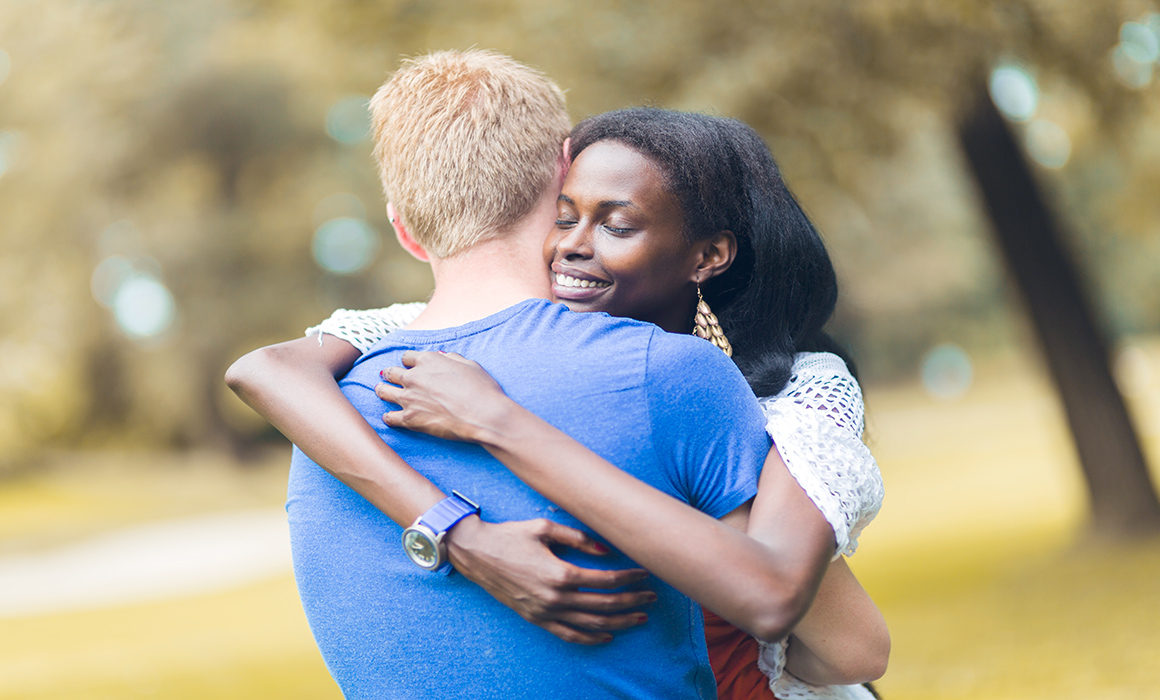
[[974, 560], [251, 642], [977, 560]]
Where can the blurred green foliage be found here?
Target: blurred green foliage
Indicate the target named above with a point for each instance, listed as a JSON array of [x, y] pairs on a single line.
[[191, 140]]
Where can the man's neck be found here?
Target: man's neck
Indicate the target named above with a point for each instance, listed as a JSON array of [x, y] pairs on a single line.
[[497, 273], [487, 278]]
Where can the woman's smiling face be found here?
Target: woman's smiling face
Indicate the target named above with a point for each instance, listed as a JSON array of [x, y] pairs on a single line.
[[618, 244]]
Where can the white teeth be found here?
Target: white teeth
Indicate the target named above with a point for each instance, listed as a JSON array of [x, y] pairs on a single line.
[[569, 281]]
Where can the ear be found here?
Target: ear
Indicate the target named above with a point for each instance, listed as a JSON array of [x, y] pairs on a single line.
[[565, 159], [404, 236], [716, 255]]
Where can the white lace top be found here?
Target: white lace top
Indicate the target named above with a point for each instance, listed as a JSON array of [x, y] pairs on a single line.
[[816, 422], [366, 327]]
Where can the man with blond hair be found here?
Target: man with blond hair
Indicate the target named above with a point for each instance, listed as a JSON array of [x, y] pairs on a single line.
[[469, 150]]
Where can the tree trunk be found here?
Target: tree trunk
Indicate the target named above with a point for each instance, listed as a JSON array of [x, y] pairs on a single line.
[[1123, 500]]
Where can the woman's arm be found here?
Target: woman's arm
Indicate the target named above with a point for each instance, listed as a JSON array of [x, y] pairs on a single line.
[[761, 583], [843, 638], [817, 423], [292, 385]]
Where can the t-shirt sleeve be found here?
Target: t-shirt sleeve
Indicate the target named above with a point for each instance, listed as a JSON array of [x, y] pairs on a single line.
[[708, 430], [365, 327]]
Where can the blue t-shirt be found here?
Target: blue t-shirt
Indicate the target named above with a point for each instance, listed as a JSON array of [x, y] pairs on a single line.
[[671, 410]]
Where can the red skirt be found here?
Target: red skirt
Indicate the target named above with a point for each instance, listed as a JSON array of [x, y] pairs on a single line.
[[733, 656]]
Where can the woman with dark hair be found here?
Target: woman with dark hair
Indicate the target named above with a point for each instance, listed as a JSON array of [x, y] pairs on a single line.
[[663, 216], [780, 289]]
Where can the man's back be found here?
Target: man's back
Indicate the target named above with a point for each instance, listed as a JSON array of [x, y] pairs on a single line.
[[670, 410]]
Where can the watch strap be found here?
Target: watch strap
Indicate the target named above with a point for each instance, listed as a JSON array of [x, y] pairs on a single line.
[[443, 515]]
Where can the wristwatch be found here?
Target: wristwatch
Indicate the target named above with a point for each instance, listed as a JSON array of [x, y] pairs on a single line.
[[423, 541]]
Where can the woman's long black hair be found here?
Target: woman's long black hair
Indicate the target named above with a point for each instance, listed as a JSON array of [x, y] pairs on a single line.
[[781, 289]]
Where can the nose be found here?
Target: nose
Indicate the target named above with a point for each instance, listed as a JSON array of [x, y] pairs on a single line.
[[574, 243]]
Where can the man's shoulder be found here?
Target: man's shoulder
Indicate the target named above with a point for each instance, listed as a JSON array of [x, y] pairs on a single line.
[[594, 320], [597, 332], [664, 358], [686, 344], [687, 353]]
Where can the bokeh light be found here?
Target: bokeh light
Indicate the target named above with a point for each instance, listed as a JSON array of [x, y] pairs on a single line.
[[345, 246], [947, 372], [339, 205], [1131, 65], [1014, 92], [1152, 22], [5, 66], [143, 307], [1140, 41], [120, 238], [348, 121], [108, 276], [1047, 143]]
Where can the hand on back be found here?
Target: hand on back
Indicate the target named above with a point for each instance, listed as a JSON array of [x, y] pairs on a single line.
[[444, 395], [451, 397]]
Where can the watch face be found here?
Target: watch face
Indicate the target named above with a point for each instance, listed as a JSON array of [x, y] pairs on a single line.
[[421, 548]]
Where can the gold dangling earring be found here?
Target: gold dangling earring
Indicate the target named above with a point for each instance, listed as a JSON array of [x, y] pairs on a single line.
[[706, 325]]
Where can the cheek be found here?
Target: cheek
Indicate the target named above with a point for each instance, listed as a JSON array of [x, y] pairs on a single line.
[[659, 272], [637, 268]]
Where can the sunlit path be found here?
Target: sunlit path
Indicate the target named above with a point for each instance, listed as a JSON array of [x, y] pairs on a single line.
[[147, 562]]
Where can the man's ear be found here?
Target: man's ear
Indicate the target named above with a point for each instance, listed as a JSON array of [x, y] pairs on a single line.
[[404, 236], [565, 159], [717, 253]]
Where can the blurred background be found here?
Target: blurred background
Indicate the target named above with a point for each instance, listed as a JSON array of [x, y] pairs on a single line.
[[183, 182]]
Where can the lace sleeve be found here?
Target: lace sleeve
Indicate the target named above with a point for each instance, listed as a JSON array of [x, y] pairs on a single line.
[[816, 423], [786, 686], [364, 328], [821, 381]]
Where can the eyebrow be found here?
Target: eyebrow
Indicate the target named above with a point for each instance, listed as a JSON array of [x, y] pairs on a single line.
[[603, 205]]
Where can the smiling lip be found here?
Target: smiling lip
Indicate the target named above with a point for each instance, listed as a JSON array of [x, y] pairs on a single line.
[[572, 285]]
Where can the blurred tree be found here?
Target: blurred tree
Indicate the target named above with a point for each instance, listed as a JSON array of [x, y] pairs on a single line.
[[1123, 498], [234, 129]]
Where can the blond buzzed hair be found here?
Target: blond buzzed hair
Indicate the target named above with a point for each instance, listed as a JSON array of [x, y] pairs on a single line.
[[466, 142]]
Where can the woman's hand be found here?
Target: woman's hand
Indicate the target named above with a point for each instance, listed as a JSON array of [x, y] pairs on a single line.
[[514, 563], [443, 394], [448, 396]]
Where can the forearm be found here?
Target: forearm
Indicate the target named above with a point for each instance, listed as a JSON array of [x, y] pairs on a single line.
[[761, 587], [296, 391], [843, 637]]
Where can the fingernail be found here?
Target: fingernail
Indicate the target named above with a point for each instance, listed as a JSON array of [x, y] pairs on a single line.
[[600, 548], [606, 638], [383, 373], [651, 597], [640, 618]]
